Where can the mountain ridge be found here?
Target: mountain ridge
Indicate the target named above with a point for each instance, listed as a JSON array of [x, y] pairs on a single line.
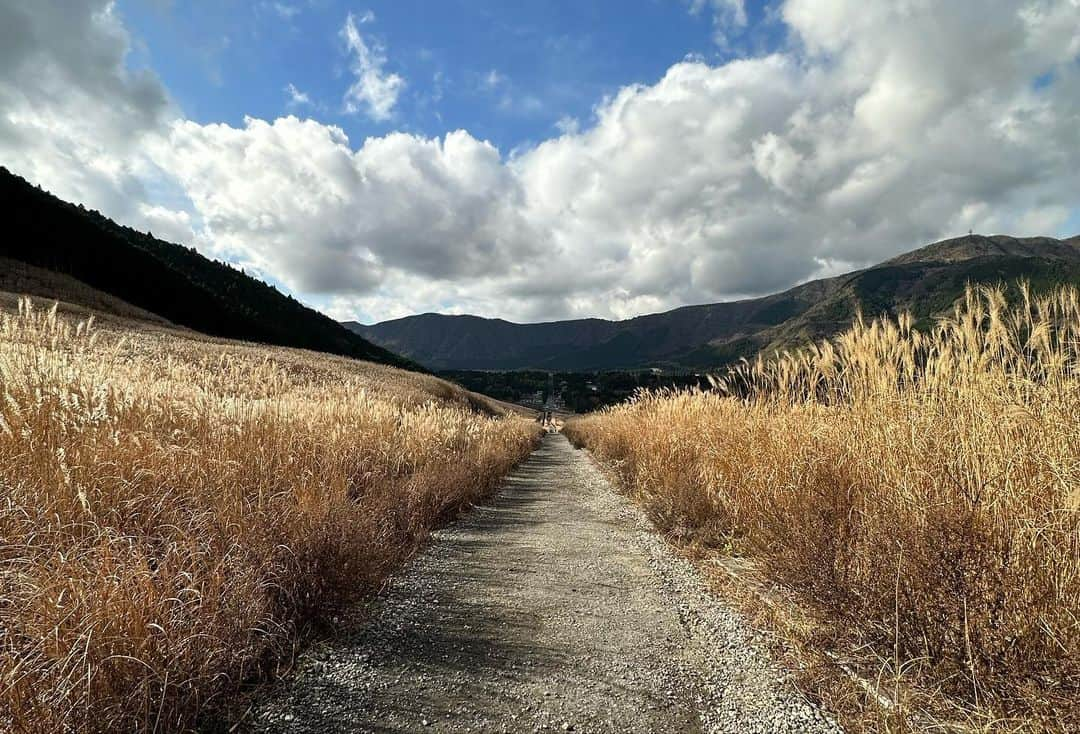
[[925, 281]]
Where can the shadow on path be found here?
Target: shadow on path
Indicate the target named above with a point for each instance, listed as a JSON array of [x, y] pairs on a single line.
[[534, 610]]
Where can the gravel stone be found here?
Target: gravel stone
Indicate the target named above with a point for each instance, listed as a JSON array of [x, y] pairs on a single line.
[[554, 606]]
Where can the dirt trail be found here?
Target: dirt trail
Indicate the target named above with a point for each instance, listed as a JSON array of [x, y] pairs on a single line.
[[552, 607]]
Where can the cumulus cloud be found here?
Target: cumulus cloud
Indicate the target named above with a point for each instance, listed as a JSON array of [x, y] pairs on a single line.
[[374, 90], [865, 139], [294, 199], [73, 117], [876, 128]]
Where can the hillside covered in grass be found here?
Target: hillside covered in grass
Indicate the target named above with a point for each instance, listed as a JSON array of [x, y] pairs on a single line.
[[178, 511], [919, 489], [175, 283], [925, 282]]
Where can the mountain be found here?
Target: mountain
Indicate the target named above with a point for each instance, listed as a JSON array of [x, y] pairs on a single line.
[[173, 282], [926, 282]]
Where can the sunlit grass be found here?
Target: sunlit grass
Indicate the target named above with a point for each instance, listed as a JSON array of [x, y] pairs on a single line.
[[922, 487], [174, 511]]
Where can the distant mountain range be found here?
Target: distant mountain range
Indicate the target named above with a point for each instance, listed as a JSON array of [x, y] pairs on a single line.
[[926, 282], [173, 282]]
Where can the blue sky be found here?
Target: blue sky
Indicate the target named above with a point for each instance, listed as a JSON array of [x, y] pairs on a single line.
[[553, 159], [507, 72]]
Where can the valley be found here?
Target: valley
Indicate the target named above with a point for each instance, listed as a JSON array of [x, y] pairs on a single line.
[[487, 367], [273, 538], [224, 510]]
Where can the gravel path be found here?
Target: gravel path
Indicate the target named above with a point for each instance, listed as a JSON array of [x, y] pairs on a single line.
[[554, 607]]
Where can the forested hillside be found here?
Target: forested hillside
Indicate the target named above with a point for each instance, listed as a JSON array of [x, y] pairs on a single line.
[[174, 282], [926, 282]]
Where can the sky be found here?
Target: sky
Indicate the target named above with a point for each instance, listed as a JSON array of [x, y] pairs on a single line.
[[550, 159]]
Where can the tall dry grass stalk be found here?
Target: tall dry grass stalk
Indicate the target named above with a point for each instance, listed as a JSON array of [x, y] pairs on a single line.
[[173, 511], [923, 488]]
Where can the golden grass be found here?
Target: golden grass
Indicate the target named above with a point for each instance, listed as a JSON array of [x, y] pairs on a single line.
[[922, 489], [174, 511]]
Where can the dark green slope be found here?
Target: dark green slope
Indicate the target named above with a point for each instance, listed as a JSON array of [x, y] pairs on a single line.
[[171, 281], [926, 282]]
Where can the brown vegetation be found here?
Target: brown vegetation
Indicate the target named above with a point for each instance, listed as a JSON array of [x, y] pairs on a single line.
[[923, 489], [175, 511]]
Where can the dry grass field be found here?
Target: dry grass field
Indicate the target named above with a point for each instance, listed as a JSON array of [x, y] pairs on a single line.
[[176, 511], [922, 490]]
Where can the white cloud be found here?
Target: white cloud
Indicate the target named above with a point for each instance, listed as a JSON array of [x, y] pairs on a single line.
[[167, 224], [375, 90], [492, 79], [568, 125], [294, 199], [881, 127], [73, 117], [296, 97], [776, 161]]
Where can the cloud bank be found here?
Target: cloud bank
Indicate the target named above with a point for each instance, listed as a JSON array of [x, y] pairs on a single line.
[[878, 127], [72, 116]]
